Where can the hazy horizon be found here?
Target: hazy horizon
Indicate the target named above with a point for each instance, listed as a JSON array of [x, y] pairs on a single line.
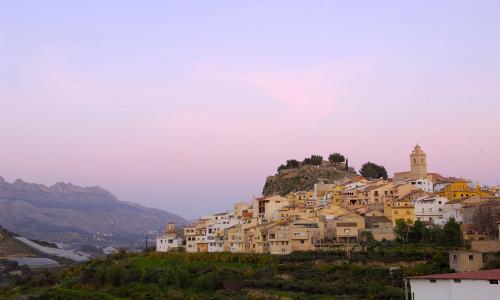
[[189, 106]]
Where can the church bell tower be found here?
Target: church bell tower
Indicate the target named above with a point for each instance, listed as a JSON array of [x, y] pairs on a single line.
[[418, 162]]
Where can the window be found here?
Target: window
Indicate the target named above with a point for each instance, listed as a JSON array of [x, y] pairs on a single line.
[[471, 257], [454, 258], [493, 281], [302, 241], [457, 280], [433, 280]]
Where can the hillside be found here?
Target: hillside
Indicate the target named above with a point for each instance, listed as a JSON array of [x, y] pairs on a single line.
[[76, 215], [10, 247], [304, 177], [371, 274]]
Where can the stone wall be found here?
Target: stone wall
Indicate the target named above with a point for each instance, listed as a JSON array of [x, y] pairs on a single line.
[[485, 246]]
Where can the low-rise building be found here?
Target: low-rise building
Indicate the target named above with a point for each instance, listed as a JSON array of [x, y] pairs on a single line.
[[284, 237], [190, 237], [400, 209], [265, 209], [170, 241], [380, 227], [460, 189], [453, 209], [430, 209], [422, 183], [466, 261], [456, 286]]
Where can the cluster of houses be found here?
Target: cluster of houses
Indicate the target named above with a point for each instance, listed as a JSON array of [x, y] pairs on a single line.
[[338, 213]]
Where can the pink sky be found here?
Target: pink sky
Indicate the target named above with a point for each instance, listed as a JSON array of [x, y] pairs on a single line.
[[191, 116]]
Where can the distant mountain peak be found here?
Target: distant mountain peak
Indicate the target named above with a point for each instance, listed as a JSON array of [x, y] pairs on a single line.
[[65, 212]]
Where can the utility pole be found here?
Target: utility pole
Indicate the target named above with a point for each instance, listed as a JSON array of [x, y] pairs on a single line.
[[146, 243]]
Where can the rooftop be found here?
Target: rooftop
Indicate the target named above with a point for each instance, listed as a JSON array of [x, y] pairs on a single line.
[[479, 275]]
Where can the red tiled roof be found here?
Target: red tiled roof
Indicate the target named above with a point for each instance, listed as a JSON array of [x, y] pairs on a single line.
[[479, 275]]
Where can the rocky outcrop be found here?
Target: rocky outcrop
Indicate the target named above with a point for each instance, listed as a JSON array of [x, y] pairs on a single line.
[[304, 178], [71, 214]]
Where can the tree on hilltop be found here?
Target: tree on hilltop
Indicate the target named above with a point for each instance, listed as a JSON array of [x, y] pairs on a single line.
[[373, 171], [314, 160], [292, 164], [336, 158]]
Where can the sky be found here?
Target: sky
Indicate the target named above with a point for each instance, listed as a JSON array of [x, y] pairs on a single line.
[[187, 106]]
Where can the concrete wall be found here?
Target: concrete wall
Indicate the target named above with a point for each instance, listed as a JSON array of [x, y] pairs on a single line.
[[423, 289]]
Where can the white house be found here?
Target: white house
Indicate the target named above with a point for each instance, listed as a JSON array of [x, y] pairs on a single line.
[[215, 232], [453, 209], [355, 185], [430, 209], [481, 285], [170, 241], [423, 184]]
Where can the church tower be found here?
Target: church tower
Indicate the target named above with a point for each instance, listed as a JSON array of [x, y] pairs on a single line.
[[418, 161]]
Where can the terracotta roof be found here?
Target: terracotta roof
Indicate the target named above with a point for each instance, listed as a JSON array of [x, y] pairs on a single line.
[[479, 275]]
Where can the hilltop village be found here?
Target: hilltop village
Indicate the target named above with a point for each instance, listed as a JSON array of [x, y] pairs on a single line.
[[344, 212]]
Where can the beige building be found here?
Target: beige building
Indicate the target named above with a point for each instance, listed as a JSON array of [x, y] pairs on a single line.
[[284, 237], [265, 209], [347, 227], [466, 261], [235, 238], [256, 239], [190, 236], [380, 227], [241, 210]]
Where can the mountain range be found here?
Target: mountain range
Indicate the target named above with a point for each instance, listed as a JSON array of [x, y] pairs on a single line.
[[70, 214]]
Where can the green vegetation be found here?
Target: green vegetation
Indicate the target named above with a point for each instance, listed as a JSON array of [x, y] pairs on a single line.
[[491, 260], [373, 171], [314, 160], [374, 274], [449, 236], [290, 164], [336, 158]]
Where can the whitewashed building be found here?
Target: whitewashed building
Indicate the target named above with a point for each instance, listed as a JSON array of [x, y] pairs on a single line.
[[170, 241], [423, 184], [481, 285], [355, 185], [453, 209], [430, 209], [215, 235]]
